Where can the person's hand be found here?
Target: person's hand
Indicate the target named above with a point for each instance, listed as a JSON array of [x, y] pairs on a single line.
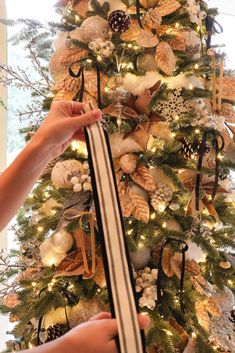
[[63, 124], [95, 336]]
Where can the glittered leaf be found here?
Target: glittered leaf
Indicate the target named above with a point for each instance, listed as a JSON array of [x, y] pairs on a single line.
[[165, 58]]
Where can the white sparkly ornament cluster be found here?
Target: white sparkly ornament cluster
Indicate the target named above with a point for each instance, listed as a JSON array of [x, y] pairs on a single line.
[[195, 13], [145, 281], [101, 47], [81, 181], [211, 121]]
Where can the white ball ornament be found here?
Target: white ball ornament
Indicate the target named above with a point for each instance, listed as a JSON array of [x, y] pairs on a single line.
[[77, 187], [48, 256], [60, 175], [62, 241], [141, 258]]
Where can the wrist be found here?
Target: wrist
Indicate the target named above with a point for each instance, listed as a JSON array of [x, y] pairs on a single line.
[[37, 148]]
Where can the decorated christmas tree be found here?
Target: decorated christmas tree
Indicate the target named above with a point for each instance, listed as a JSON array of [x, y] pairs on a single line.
[[167, 104]]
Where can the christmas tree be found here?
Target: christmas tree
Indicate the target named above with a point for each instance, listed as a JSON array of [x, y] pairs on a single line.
[[167, 104]]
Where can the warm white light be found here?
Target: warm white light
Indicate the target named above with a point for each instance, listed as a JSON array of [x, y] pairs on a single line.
[[40, 229]]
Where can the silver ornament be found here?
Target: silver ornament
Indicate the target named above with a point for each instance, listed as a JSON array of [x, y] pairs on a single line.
[[118, 95], [141, 257]]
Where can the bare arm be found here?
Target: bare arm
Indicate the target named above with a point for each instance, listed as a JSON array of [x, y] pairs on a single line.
[[63, 124], [95, 336]]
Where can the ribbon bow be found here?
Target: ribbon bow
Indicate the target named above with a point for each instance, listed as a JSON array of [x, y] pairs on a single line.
[[212, 26], [80, 74], [184, 248], [77, 263]]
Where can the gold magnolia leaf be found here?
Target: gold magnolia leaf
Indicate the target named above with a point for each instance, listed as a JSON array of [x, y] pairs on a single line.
[[140, 207], [144, 178], [168, 7], [128, 163], [143, 100], [147, 39], [165, 58], [177, 42], [166, 262]]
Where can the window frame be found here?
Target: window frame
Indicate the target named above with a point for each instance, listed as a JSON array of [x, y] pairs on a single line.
[[3, 145]]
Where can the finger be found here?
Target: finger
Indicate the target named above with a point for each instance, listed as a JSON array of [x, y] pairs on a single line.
[[101, 316], [110, 327], [144, 321], [77, 107], [70, 108], [85, 119]]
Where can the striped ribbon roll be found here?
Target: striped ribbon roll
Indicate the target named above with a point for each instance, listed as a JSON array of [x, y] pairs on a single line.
[[123, 302]]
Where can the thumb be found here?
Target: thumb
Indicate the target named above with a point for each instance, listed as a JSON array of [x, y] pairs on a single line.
[[111, 326]]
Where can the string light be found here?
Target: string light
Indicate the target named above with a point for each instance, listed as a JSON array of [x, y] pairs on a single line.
[[142, 237], [130, 231], [129, 45], [77, 18], [98, 290], [177, 117], [30, 346], [220, 156], [164, 225], [173, 134], [34, 284], [99, 58], [194, 335], [40, 229], [196, 66], [177, 25], [130, 222], [230, 282], [153, 216], [197, 131], [71, 286], [169, 333]]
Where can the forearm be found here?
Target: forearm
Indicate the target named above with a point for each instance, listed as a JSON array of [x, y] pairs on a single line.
[[17, 181]]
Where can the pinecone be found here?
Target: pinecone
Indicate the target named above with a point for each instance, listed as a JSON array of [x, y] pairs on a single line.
[[191, 149], [161, 197], [223, 175], [119, 21], [56, 331]]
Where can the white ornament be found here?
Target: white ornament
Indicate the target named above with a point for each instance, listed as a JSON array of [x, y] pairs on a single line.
[[77, 187], [141, 257], [195, 253], [63, 172], [48, 256], [62, 241], [195, 13]]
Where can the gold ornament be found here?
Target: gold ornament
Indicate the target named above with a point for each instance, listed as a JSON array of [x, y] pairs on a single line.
[[147, 4], [147, 62], [165, 58], [85, 310], [225, 265]]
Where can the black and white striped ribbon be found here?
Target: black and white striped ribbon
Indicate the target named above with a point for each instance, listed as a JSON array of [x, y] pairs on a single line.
[[118, 269]]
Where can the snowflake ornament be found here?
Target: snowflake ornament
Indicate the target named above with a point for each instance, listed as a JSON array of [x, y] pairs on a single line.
[[195, 13], [175, 107]]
